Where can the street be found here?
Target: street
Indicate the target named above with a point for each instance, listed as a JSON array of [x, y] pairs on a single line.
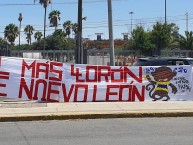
[[128, 131]]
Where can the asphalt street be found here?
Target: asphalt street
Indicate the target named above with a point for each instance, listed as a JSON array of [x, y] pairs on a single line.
[[122, 131]]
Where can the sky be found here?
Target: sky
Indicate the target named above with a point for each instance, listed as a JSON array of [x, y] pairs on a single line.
[[145, 13]]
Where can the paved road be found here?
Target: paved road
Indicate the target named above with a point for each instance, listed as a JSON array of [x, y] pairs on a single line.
[[131, 131]]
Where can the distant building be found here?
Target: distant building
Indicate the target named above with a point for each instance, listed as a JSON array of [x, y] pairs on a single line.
[[102, 44]]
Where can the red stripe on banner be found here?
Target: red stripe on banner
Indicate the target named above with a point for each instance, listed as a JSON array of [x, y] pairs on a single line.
[[2, 85], [4, 73], [0, 61], [4, 77], [3, 95]]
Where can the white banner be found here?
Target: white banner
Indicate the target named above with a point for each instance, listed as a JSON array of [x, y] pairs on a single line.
[[58, 82]]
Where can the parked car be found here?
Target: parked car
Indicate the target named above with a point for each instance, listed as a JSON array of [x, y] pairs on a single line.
[[163, 61]]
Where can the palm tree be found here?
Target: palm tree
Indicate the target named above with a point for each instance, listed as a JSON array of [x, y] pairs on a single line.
[[2, 42], [186, 42], [28, 31], [67, 26], [20, 19], [75, 28], [11, 32], [54, 16], [45, 4], [38, 35]]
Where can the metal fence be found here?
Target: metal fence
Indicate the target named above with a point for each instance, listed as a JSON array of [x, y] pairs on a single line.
[[92, 56], [55, 55], [177, 52]]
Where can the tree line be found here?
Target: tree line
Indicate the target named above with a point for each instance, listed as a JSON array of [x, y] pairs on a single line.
[[146, 42], [59, 39], [162, 36]]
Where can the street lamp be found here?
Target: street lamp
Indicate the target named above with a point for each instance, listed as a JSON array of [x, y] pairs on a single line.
[[131, 13], [20, 19]]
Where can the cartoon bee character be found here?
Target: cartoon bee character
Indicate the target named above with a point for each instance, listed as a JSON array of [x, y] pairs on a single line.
[[162, 77]]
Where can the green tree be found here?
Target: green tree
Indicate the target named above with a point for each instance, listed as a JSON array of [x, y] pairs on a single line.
[[54, 17], [141, 41], [61, 35], [128, 45], [29, 32], [67, 27], [38, 45], [173, 43], [58, 41], [162, 35], [53, 43], [186, 42], [11, 32], [38, 35], [1, 41]]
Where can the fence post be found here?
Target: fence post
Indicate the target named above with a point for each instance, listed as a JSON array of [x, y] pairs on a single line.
[[85, 56]]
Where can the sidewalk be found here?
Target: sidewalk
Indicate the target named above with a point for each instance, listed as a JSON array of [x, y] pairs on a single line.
[[31, 110]]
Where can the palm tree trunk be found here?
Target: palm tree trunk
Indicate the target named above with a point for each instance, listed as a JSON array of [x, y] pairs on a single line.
[[19, 33], [44, 54]]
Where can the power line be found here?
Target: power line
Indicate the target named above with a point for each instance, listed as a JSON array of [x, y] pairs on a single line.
[[116, 22], [104, 24], [62, 3]]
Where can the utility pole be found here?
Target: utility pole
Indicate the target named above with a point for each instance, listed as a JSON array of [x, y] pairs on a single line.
[[79, 34], [131, 13], [111, 41], [186, 21]]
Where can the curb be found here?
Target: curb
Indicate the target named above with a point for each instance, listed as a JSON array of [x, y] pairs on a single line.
[[95, 116], [22, 105]]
